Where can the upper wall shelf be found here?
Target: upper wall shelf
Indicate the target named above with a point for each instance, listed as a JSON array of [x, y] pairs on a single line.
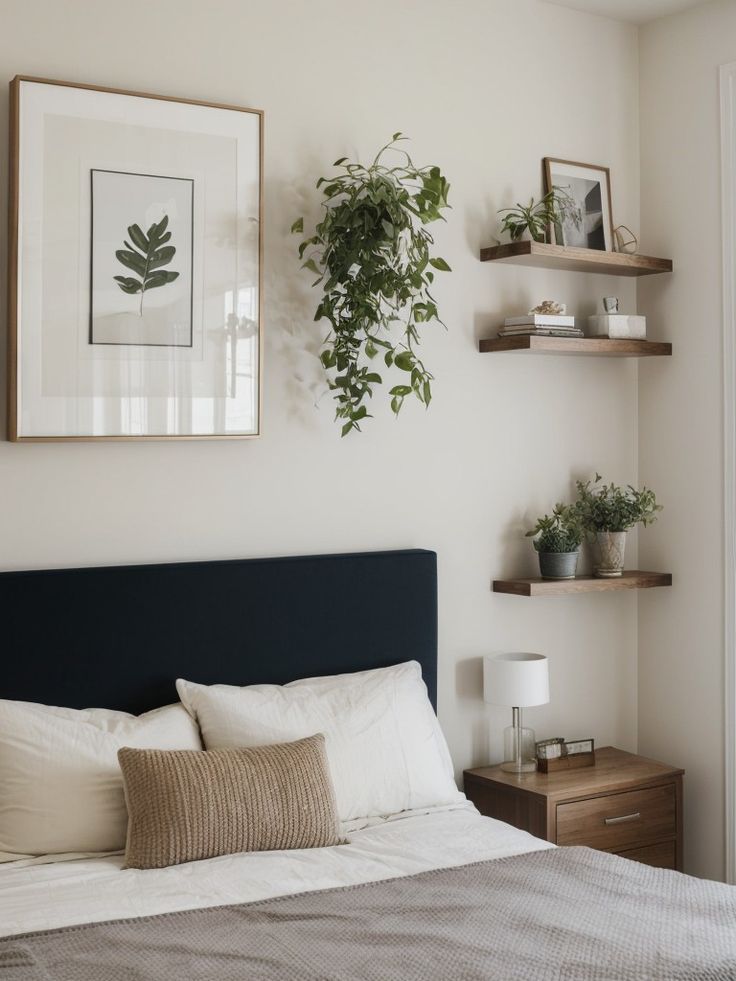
[[601, 346], [577, 260]]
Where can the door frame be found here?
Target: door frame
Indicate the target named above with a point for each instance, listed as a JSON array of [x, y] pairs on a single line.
[[727, 77]]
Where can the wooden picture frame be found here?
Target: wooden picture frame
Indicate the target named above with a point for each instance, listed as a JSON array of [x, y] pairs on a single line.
[[591, 232], [65, 383]]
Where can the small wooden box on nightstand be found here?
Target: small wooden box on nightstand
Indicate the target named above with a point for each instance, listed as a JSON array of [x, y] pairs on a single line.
[[625, 804]]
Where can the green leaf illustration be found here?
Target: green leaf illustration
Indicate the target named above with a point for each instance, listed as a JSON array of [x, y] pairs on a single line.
[[146, 257]]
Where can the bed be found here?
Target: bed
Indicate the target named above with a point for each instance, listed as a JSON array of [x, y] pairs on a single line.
[[436, 892]]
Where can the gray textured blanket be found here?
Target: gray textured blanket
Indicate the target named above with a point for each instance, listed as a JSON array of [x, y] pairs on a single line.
[[567, 913]]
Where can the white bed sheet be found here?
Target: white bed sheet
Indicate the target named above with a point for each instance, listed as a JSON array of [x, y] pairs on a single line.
[[45, 896]]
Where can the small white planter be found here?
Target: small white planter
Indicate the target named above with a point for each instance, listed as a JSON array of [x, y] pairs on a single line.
[[610, 549]]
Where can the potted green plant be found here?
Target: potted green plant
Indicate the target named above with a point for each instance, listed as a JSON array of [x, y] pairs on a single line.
[[606, 512], [373, 257], [557, 539], [538, 216]]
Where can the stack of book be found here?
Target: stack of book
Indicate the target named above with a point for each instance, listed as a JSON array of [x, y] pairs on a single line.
[[540, 324]]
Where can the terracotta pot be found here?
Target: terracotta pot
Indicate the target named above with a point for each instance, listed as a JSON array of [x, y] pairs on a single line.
[[610, 548]]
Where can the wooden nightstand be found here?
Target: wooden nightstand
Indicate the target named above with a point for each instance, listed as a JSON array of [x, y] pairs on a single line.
[[625, 804]]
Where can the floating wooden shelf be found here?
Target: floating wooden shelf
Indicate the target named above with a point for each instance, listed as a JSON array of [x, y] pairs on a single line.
[[581, 584], [599, 346], [576, 260]]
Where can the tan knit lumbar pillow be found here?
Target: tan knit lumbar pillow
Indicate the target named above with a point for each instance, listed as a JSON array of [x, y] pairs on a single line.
[[185, 805]]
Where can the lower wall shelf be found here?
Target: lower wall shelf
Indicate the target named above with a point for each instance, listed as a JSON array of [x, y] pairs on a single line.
[[634, 579]]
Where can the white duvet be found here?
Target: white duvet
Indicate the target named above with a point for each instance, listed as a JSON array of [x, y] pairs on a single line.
[[42, 896]]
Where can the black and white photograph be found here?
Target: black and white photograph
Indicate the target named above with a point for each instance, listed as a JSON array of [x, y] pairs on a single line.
[[141, 259], [585, 222]]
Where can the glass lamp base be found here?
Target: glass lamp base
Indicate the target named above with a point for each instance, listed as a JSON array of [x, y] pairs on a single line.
[[519, 766], [519, 750]]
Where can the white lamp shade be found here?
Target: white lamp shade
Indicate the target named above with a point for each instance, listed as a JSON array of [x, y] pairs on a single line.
[[519, 679]]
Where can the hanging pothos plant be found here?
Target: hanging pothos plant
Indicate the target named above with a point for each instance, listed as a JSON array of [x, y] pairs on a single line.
[[371, 254]]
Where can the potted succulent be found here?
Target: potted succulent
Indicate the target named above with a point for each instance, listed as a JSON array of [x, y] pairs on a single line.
[[557, 539], [606, 512]]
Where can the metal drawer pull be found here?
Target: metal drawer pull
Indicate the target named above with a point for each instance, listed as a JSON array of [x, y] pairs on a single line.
[[623, 819]]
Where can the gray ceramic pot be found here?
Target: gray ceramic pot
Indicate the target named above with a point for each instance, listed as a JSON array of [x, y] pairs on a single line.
[[558, 565]]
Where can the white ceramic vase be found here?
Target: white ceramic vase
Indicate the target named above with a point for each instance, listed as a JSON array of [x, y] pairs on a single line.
[[610, 548]]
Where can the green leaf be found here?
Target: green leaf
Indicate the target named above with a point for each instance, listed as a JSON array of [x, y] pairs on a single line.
[[373, 379], [159, 278], [340, 161], [138, 238], [346, 428], [404, 360], [311, 265], [128, 284], [298, 226], [157, 229], [161, 257], [161, 227], [396, 403], [131, 260], [401, 390], [440, 264]]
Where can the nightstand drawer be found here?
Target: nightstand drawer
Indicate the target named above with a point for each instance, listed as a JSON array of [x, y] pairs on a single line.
[[617, 821], [663, 855]]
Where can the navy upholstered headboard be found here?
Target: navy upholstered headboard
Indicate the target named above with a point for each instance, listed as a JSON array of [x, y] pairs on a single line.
[[118, 637]]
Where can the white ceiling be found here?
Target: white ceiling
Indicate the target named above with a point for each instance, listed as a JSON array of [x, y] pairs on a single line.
[[636, 11]]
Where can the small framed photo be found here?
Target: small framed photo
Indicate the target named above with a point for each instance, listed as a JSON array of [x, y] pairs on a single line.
[[135, 266], [550, 749], [587, 217], [575, 746]]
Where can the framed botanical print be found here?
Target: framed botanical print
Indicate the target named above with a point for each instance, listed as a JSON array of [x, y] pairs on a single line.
[[135, 266], [586, 222]]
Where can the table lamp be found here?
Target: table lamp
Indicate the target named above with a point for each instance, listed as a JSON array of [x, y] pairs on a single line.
[[519, 680]]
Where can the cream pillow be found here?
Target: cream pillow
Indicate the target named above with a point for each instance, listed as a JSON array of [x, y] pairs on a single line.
[[384, 744], [61, 789]]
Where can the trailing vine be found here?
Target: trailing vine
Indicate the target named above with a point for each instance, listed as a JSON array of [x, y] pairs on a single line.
[[371, 253]]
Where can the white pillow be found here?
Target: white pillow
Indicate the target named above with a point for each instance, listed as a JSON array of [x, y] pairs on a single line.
[[384, 743], [61, 788]]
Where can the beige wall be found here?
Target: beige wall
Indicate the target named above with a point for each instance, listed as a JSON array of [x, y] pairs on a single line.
[[680, 421], [485, 88]]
